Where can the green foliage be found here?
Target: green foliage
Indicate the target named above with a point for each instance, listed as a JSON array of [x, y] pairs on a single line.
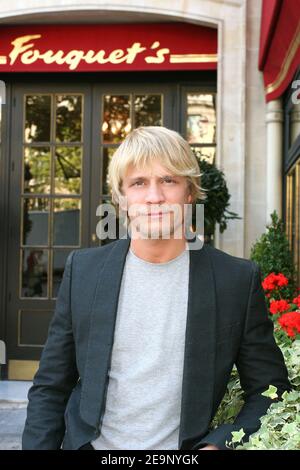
[[272, 253], [280, 426], [231, 403], [217, 197]]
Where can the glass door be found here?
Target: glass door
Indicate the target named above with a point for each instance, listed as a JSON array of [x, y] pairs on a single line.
[[49, 209], [63, 137]]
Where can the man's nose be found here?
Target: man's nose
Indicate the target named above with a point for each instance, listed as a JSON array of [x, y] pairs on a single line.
[[154, 193]]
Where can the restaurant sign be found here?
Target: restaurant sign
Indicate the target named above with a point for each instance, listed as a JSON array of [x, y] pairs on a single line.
[[126, 47]]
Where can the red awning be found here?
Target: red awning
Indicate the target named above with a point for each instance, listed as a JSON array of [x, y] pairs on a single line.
[[107, 47], [279, 55]]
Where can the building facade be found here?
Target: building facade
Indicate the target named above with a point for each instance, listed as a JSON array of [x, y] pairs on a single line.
[[78, 77]]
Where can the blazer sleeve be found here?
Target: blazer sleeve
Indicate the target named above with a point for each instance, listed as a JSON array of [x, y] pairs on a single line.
[[260, 363], [56, 376]]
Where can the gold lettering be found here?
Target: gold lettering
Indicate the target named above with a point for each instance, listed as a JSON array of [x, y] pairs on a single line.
[[19, 46], [49, 57], [28, 54], [91, 57], [73, 59], [29, 57], [117, 56], [159, 58], [133, 51]]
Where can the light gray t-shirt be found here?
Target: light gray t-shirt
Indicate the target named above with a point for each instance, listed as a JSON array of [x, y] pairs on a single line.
[[143, 401]]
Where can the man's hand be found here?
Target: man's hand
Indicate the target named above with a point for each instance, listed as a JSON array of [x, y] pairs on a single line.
[[209, 447]]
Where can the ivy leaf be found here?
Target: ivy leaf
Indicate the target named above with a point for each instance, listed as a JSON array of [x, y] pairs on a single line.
[[237, 436], [271, 392]]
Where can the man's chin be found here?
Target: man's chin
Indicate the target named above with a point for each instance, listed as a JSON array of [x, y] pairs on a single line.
[[154, 234]]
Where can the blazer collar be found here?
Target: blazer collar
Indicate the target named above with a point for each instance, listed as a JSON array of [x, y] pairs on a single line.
[[199, 355]]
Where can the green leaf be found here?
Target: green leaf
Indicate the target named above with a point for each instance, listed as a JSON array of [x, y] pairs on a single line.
[[237, 436], [271, 392]]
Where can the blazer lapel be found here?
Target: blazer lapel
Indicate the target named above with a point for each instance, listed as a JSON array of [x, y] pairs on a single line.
[[101, 333], [199, 356]]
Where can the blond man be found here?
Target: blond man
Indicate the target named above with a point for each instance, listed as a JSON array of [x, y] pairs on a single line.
[[146, 331]]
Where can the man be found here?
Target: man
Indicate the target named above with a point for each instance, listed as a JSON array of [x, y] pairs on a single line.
[[146, 331]]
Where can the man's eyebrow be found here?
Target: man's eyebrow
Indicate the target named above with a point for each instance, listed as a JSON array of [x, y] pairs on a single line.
[[142, 177]]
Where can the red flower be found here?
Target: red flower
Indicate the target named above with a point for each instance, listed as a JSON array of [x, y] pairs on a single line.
[[296, 301], [272, 281], [278, 306], [290, 323]]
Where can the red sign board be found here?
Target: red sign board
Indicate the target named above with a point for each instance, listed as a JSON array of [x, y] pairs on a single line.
[[107, 47]]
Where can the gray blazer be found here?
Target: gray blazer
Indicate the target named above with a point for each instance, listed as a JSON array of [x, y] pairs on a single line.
[[227, 324]]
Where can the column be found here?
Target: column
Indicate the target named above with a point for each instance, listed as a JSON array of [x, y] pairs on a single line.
[[274, 120]]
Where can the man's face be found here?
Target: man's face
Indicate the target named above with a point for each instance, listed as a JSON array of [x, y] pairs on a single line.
[[154, 199]]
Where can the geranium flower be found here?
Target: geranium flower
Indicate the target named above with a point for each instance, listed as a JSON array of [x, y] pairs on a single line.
[[279, 306], [296, 301], [290, 323], [272, 281]]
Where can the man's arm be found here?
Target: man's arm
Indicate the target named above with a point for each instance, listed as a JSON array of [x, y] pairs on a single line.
[[260, 363], [56, 377]]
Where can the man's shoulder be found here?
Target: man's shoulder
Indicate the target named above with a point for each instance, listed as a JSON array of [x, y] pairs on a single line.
[[227, 260], [94, 253]]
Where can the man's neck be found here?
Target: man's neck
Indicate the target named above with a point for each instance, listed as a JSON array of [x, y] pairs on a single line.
[[158, 250]]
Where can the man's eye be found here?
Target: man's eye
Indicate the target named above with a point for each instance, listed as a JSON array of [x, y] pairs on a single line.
[[138, 183], [169, 180]]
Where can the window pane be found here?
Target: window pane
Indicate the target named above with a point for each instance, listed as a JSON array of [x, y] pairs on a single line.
[[68, 118], [59, 261], [34, 273], [37, 118], [66, 222], [35, 221], [148, 110], [201, 118], [37, 170], [116, 118], [68, 170], [107, 155]]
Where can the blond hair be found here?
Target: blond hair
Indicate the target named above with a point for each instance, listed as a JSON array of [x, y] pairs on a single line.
[[145, 144]]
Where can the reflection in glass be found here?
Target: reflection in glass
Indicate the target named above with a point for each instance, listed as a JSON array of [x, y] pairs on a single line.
[[35, 221], [66, 222], [37, 170], [68, 118], [34, 272], [206, 153], [116, 118], [201, 118], [107, 155], [68, 170], [37, 118], [148, 110], [59, 261]]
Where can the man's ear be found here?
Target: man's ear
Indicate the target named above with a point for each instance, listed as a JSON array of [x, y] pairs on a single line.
[[190, 199]]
